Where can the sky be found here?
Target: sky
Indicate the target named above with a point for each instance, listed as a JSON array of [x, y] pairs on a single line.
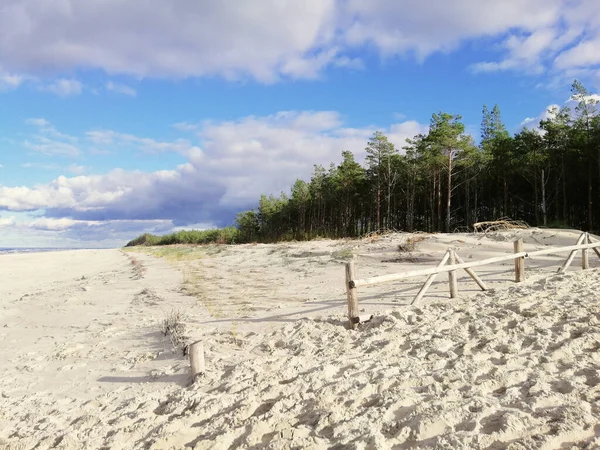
[[128, 116]]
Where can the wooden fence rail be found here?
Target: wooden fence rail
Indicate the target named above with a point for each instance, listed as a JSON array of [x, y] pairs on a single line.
[[451, 262]]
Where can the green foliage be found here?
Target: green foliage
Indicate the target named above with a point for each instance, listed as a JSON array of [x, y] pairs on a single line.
[[227, 235], [144, 239], [441, 181]]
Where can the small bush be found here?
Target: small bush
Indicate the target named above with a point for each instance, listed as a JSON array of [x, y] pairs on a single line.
[[173, 327], [409, 245], [344, 254]]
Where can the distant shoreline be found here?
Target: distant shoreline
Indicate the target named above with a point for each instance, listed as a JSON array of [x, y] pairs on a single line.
[[15, 250]]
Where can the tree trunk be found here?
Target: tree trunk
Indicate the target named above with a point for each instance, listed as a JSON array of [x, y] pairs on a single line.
[[449, 199], [543, 186], [590, 211], [378, 205], [505, 187], [564, 189], [439, 202]]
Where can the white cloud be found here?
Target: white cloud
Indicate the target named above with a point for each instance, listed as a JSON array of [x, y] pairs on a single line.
[[196, 38], [435, 25], [271, 39], [121, 89], [10, 81], [76, 169], [64, 87], [533, 123], [40, 166], [185, 126], [7, 221], [550, 111], [147, 145], [49, 141], [235, 162]]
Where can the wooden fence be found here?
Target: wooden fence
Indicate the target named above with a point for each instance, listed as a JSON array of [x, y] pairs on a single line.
[[451, 262]]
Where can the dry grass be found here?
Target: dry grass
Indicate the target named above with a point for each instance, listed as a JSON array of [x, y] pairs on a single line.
[[344, 254], [173, 327], [501, 224], [410, 244], [177, 253], [138, 268]]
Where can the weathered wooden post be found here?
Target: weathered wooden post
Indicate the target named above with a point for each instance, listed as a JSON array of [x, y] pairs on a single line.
[[471, 273], [196, 351], [519, 262], [585, 262], [353, 318], [452, 275], [569, 260], [430, 279]]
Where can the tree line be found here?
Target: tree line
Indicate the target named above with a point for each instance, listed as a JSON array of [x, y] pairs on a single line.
[[442, 181]]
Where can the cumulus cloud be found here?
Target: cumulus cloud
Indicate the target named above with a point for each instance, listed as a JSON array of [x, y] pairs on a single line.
[[197, 37], [562, 38], [533, 123], [272, 39], [233, 164]]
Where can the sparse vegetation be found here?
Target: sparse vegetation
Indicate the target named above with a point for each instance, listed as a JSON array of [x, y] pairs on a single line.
[[173, 327], [227, 235], [138, 268], [344, 254], [409, 244], [441, 181]]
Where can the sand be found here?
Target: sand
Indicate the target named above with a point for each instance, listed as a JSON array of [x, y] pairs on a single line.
[[85, 365]]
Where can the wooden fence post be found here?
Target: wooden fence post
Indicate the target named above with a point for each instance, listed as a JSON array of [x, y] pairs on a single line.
[[196, 351], [452, 276], [471, 273], [430, 279], [353, 318], [519, 262], [569, 260], [585, 262]]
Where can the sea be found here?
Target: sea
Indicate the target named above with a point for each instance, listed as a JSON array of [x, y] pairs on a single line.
[[7, 250]]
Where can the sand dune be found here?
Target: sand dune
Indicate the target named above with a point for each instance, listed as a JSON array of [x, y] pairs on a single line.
[[84, 364]]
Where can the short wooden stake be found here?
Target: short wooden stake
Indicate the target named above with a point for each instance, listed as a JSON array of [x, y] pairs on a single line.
[[519, 262], [472, 274], [430, 279], [353, 318], [585, 262], [452, 276], [569, 260], [196, 352]]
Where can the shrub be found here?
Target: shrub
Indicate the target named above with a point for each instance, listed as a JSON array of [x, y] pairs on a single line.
[[173, 327], [227, 235]]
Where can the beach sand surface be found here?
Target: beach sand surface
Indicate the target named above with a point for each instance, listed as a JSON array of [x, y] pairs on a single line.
[[84, 364]]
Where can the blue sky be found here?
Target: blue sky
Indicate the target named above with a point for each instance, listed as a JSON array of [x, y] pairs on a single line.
[[117, 118]]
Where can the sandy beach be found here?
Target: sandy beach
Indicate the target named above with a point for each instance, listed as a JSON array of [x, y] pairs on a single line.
[[84, 363]]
